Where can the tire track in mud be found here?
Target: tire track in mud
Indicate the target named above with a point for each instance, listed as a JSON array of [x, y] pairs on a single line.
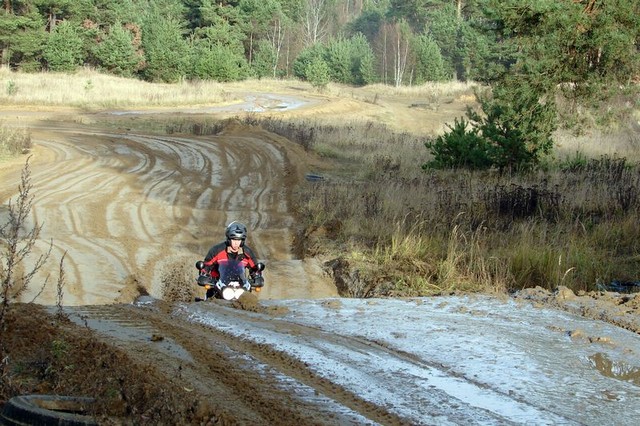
[[267, 385], [440, 396], [264, 386], [136, 205]]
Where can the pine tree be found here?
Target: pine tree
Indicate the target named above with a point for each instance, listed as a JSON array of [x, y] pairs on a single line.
[[63, 50], [116, 53]]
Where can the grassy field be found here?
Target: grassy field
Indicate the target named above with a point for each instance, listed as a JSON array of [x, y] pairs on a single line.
[[91, 90], [409, 232], [403, 231]]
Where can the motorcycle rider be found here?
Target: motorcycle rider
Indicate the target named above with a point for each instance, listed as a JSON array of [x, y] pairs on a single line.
[[233, 247]]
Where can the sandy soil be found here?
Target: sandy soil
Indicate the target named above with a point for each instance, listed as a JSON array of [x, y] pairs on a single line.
[[132, 209], [133, 212]]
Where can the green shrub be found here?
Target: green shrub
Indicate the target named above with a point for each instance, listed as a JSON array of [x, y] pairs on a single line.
[[462, 147], [306, 57], [317, 73], [12, 89], [574, 163], [512, 133], [63, 50]]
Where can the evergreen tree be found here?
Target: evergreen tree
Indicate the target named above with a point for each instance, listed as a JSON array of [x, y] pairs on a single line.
[[590, 44], [587, 49], [258, 16], [166, 51], [22, 35], [217, 62], [317, 73], [361, 56], [368, 23], [305, 58], [116, 53], [265, 60], [367, 69], [218, 51], [56, 11], [429, 63], [337, 56], [63, 49]]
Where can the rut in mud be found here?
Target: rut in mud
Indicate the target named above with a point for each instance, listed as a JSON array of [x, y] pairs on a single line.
[[253, 383], [133, 210]]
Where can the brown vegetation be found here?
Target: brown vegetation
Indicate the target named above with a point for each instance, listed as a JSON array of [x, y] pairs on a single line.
[[574, 222], [48, 354]]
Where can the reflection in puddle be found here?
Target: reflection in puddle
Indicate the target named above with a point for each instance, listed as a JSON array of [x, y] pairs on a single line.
[[615, 369]]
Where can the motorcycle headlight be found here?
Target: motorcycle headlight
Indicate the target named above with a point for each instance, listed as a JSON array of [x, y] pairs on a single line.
[[228, 293]]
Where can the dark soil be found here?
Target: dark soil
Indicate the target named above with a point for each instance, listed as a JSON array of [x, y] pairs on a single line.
[[47, 354]]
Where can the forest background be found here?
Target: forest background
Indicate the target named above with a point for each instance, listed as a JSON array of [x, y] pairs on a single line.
[[399, 42]]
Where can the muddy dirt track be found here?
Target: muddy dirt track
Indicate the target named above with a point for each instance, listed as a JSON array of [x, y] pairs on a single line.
[[249, 382], [131, 209], [137, 210]]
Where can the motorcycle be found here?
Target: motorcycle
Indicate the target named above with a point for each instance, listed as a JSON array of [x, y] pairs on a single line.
[[232, 281]]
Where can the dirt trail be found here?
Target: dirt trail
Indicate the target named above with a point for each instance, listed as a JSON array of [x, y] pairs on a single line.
[[253, 383], [132, 209]]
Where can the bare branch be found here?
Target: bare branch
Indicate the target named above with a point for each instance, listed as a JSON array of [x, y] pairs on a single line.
[[16, 244]]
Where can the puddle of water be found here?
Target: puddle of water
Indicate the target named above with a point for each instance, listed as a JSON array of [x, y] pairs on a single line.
[[615, 369], [266, 102]]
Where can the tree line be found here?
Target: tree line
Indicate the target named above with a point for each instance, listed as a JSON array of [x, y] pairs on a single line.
[[169, 40], [398, 42]]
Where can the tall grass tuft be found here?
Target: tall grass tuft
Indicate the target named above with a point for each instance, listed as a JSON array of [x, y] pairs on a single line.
[[16, 245], [14, 140]]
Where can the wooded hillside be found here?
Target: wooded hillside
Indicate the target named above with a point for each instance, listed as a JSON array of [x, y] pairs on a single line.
[[398, 42]]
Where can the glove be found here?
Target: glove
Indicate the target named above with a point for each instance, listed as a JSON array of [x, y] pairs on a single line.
[[204, 280], [258, 281]]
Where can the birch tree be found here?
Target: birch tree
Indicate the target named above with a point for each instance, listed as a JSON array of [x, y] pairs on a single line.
[[315, 21], [394, 43]]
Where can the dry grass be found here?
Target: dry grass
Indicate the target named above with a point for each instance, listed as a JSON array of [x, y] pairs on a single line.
[[624, 142], [13, 140], [575, 223], [429, 90], [89, 89]]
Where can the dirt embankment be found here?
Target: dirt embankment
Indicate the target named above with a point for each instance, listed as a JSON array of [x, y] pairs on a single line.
[[615, 308]]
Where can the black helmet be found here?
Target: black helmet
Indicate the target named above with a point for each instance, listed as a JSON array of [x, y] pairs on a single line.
[[235, 231]]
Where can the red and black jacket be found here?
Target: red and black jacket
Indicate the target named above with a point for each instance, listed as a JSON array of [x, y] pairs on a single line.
[[220, 253]]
